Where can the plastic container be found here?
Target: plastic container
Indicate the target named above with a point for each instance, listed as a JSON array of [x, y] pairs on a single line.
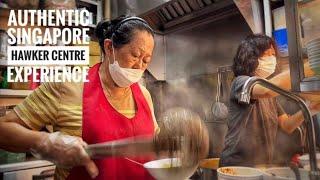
[[239, 173]]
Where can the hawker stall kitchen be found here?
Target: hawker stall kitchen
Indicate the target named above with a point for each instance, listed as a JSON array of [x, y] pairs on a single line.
[[209, 89]]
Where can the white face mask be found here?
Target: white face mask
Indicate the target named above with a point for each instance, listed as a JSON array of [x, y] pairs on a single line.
[[123, 77], [267, 66]]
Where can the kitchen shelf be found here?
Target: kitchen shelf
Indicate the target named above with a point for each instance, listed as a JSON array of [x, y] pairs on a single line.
[[24, 165], [14, 93]]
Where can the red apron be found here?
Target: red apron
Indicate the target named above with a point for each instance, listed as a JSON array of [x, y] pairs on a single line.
[[101, 123]]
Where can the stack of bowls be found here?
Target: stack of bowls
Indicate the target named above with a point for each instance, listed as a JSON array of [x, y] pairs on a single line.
[[313, 50]]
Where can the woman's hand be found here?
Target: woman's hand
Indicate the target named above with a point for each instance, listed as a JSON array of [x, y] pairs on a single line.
[[65, 151]]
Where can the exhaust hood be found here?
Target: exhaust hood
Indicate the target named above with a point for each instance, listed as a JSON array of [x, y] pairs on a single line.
[[177, 14]]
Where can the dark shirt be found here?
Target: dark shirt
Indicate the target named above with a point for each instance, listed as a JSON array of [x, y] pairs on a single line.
[[252, 129]]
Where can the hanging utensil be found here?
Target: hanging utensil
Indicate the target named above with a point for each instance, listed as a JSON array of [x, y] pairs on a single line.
[[219, 109]]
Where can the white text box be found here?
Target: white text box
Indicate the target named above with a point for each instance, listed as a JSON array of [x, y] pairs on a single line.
[[48, 55]]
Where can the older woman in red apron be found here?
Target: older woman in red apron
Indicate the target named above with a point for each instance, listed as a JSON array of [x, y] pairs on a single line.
[[127, 44], [101, 122]]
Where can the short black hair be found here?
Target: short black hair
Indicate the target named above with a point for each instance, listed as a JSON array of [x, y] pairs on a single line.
[[120, 30], [250, 49]]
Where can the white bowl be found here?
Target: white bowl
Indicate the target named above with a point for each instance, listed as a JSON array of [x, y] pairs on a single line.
[[313, 48], [310, 44], [313, 43], [284, 173], [313, 52], [304, 159], [317, 56], [169, 169], [241, 173]]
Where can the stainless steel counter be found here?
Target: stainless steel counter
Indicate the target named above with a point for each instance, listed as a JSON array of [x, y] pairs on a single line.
[[36, 170], [24, 165]]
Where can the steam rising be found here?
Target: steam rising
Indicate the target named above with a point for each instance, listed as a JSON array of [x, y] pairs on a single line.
[[184, 135]]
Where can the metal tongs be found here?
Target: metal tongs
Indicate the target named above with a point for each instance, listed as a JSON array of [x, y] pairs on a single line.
[[134, 146]]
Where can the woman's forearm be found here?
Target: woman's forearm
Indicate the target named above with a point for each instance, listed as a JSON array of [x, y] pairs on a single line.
[[16, 138], [289, 124], [282, 80]]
